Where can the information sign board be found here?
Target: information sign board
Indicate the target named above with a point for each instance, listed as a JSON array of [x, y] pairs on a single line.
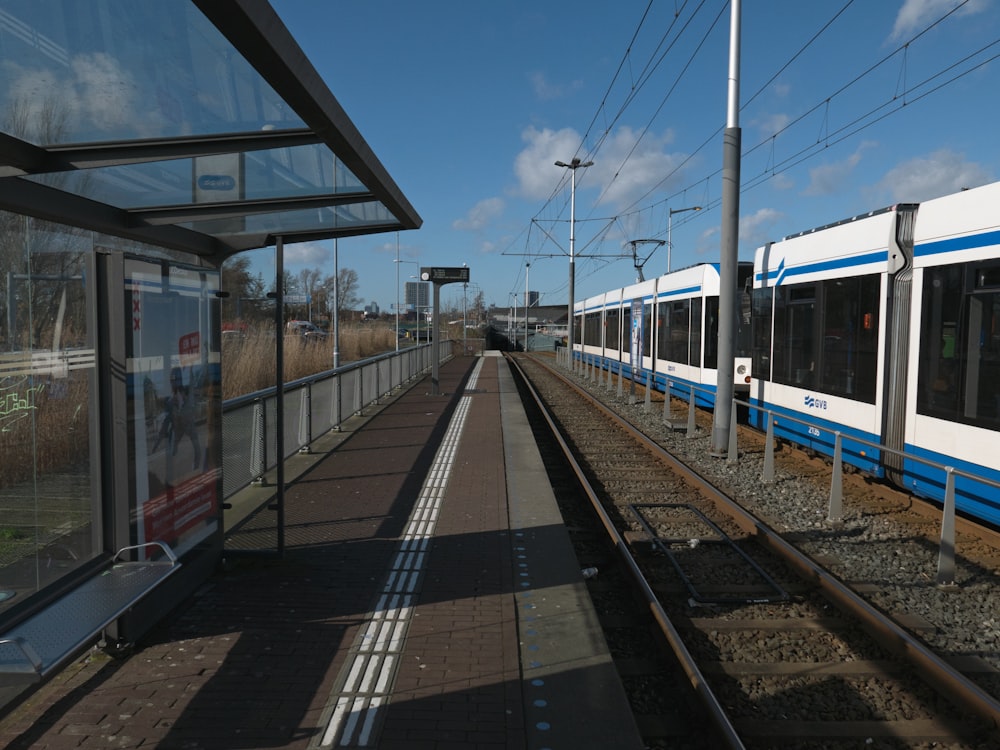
[[444, 275]]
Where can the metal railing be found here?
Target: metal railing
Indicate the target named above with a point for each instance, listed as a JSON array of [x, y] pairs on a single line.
[[313, 406]]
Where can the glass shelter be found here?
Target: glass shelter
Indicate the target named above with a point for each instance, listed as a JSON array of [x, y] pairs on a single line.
[[141, 144]]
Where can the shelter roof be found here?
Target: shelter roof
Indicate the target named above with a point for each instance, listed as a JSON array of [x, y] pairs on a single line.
[[197, 125]]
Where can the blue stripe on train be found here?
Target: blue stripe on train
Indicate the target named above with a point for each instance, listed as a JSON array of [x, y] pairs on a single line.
[[972, 497]]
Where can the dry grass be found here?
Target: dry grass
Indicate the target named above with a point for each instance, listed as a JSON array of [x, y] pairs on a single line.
[[45, 429], [248, 363], [49, 431]]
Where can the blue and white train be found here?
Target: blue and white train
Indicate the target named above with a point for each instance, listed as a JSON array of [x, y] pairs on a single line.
[[666, 329], [884, 327]]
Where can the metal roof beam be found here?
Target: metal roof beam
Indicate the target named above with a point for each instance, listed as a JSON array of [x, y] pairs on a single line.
[[233, 209]]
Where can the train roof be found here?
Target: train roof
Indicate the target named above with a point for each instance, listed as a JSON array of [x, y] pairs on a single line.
[[867, 215]]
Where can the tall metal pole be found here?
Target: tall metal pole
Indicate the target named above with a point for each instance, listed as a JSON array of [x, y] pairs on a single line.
[[670, 224], [336, 305], [279, 378], [514, 336], [436, 338], [729, 247], [574, 165], [397, 291], [527, 267]]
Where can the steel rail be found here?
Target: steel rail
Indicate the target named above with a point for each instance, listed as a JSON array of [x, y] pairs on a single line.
[[932, 668], [701, 687]]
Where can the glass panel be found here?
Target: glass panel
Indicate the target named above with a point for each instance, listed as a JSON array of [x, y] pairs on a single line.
[[371, 213], [647, 332], [48, 523], [849, 359], [794, 335], [695, 335], [611, 331], [960, 347], [300, 172], [173, 363], [744, 303], [679, 322], [760, 324], [662, 330], [119, 69]]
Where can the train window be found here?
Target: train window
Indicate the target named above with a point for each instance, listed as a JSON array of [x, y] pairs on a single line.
[[647, 330], [680, 320], [959, 358], [825, 337], [795, 335], [850, 337], [612, 331], [592, 329], [626, 332], [662, 330], [744, 304], [760, 325], [987, 277], [711, 337]]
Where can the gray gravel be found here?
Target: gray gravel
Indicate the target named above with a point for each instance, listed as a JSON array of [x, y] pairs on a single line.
[[871, 545]]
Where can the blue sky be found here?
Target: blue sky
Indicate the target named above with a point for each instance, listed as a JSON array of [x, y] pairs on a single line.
[[846, 107]]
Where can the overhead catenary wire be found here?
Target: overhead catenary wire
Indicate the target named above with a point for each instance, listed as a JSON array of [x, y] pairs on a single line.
[[847, 126]]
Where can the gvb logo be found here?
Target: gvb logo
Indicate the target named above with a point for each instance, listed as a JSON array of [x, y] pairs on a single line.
[[815, 403]]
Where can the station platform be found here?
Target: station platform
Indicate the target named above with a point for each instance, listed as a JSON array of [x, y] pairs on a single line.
[[428, 597]]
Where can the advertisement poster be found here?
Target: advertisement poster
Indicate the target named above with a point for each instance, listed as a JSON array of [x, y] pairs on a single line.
[[174, 386], [635, 338]]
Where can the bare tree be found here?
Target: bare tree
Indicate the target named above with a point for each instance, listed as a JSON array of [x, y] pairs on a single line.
[[346, 291]]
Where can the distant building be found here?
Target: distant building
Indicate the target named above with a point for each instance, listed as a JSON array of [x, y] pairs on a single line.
[[533, 299], [417, 295], [372, 311]]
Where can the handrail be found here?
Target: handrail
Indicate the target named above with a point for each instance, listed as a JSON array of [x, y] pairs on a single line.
[[325, 400]]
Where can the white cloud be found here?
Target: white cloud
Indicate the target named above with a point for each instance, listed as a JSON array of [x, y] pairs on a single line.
[[627, 170], [546, 91], [308, 255], [916, 14], [940, 173], [757, 228], [771, 124], [829, 179], [480, 215], [534, 166]]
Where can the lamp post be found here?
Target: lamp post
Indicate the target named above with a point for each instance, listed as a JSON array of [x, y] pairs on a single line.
[[465, 324], [397, 291], [513, 333], [574, 165], [397, 261], [527, 304], [336, 304], [670, 221]]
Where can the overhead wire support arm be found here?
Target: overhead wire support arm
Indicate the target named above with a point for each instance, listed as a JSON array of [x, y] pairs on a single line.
[[635, 255]]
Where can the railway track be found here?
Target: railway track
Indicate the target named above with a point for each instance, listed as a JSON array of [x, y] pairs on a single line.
[[777, 651]]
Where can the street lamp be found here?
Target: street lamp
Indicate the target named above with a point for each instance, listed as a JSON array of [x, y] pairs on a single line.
[[465, 323], [670, 221], [574, 165], [513, 332], [397, 261], [527, 267]]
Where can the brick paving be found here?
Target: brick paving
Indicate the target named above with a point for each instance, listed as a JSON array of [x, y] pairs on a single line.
[[255, 659], [252, 658]]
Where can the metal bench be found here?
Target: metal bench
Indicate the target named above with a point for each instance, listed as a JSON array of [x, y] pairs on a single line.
[[44, 642]]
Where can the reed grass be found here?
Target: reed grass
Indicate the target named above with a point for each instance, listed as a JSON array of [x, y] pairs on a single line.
[[248, 362]]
